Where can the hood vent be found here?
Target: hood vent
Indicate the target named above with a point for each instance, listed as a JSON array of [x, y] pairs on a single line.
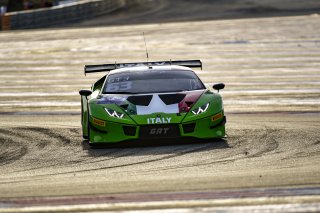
[[169, 99], [141, 100], [189, 103]]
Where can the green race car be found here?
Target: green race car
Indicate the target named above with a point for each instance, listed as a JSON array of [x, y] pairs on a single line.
[[150, 100]]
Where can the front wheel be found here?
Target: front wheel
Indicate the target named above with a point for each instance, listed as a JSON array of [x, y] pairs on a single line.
[[87, 137]]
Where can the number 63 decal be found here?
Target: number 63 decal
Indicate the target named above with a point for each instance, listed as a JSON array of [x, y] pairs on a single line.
[[119, 86]]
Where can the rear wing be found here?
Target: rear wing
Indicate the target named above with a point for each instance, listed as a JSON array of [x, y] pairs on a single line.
[[109, 67]]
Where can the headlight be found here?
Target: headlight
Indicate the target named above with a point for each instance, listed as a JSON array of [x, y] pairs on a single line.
[[201, 109], [113, 113]]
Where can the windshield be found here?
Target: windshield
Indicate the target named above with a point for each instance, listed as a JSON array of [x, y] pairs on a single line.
[[152, 82]]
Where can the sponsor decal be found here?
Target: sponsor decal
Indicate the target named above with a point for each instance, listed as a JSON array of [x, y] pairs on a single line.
[[118, 79], [112, 100], [158, 131], [119, 86], [216, 117], [99, 122], [158, 120]]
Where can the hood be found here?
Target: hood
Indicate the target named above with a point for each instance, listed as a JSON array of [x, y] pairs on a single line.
[[157, 108], [147, 104]]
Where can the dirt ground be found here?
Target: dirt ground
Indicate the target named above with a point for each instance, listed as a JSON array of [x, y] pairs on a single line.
[[47, 157]]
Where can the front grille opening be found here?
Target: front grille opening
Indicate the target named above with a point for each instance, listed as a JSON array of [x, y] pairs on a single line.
[[188, 128], [129, 130]]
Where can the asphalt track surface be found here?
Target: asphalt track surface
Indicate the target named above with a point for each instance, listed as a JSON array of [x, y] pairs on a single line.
[[271, 70], [164, 11]]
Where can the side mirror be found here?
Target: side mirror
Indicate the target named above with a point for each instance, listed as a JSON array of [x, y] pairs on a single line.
[[85, 92], [218, 86]]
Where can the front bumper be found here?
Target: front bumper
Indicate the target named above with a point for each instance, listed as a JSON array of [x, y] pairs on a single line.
[[118, 132]]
